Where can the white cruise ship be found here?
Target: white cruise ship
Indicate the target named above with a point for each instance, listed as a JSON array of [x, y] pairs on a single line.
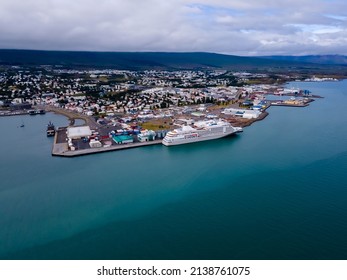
[[199, 131]]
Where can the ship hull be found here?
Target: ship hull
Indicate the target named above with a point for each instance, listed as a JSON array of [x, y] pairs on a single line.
[[50, 133]]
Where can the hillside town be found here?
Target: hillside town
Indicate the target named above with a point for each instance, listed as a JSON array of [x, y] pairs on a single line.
[[122, 109], [115, 92]]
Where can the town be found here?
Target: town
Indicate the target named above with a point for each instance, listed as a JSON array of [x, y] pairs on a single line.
[[123, 101]]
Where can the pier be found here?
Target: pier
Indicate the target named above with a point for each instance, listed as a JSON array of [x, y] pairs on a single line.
[[61, 148], [63, 151], [72, 116], [290, 103]]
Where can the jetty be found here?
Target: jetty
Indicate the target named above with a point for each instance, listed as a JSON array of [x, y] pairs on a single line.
[[63, 151], [291, 103], [72, 116], [61, 147]]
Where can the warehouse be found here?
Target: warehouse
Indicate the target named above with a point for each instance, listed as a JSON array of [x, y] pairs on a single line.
[[78, 132]]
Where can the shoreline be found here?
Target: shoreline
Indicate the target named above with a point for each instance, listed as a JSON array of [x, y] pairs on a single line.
[[62, 149], [72, 116]]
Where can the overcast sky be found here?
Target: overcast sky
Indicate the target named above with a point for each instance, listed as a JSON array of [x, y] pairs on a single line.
[[239, 27]]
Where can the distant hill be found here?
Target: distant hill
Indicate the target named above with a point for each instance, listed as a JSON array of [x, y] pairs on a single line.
[[161, 61], [139, 60], [318, 59]]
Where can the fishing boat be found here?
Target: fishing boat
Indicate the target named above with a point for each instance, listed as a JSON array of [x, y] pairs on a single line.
[[50, 129]]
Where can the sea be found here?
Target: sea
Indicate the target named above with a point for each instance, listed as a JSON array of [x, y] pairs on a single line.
[[277, 191]]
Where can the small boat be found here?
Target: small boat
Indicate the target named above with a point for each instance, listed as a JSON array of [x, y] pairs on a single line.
[[22, 125], [50, 129]]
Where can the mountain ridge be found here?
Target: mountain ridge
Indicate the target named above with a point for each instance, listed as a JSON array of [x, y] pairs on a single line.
[[328, 59], [159, 60]]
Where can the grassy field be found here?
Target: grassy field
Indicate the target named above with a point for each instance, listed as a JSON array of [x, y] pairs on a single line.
[[160, 124]]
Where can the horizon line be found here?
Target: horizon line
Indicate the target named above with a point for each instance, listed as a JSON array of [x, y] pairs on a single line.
[[168, 52]]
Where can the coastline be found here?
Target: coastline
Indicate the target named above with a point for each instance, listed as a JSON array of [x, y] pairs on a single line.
[[73, 116], [62, 149]]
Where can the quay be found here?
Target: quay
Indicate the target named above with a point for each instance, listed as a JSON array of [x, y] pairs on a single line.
[[12, 113], [290, 103], [72, 116], [61, 148], [66, 145], [63, 151]]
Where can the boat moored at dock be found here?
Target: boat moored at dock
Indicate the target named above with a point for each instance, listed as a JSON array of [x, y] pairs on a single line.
[[200, 131], [50, 129], [36, 112]]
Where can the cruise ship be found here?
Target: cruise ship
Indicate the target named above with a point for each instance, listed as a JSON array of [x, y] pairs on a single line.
[[200, 131]]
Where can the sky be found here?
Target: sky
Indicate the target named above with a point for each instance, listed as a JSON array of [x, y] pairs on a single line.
[[238, 27]]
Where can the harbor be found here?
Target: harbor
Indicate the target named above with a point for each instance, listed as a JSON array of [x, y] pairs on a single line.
[[142, 122], [100, 136], [61, 147], [114, 134]]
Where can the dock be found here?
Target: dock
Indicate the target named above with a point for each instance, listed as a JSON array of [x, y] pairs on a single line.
[[290, 103], [72, 116], [61, 148], [76, 153]]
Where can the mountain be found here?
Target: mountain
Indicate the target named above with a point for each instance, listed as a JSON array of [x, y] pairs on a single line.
[[172, 61], [140, 60], [317, 59]]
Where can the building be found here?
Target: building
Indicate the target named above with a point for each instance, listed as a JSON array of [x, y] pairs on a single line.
[[78, 132], [122, 139], [247, 114], [146, 135]]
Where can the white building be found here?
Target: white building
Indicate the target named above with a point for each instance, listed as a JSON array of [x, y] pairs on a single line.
[[247, 114], [78, 132]]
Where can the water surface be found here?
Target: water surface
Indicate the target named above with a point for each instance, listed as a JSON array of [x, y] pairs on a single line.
[[276, 191]]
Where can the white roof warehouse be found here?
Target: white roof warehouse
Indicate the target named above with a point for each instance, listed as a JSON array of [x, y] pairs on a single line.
[[78, 132]]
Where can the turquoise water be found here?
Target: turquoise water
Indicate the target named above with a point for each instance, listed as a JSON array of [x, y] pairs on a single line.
[[276, 191]]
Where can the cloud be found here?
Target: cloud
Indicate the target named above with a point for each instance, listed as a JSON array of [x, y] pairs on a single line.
[[254, 27]]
